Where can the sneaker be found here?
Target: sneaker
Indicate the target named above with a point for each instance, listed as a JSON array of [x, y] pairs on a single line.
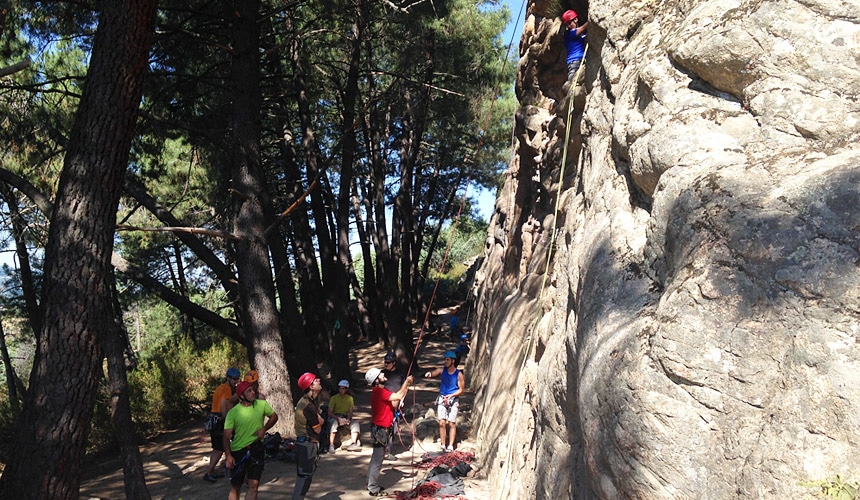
[[354, 447], [331, 449], [380, 493], [210, 477], [390, 456], [450, 448]]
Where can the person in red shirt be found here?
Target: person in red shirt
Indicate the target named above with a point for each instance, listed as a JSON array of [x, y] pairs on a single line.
[[382, 405]]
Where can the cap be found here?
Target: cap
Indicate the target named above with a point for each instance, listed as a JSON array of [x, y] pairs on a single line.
[[306, 380], [568, 16], [233, 372], [372, 375], [343, 383], [252, 376], [390, 356], [242, 387], [450, 354]]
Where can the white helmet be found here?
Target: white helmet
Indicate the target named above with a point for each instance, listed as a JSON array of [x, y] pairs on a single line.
[[343, 383], [372, 375]]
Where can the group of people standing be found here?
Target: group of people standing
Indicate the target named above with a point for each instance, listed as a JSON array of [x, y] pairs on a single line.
[[239, 419]]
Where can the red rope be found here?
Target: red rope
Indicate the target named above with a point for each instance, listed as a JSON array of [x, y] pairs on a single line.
[[450, 459], [428, 490]]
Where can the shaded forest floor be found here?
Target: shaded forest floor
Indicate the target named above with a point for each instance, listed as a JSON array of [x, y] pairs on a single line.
[[176, 461]]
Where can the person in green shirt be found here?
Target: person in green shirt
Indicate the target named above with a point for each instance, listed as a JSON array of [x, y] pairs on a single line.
[[243, 440]]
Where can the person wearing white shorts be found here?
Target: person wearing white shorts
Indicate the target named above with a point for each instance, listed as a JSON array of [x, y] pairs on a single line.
[[448, 401]]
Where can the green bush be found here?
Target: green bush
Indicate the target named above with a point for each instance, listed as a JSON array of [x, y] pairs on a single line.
[[837, 488], [170, 386]]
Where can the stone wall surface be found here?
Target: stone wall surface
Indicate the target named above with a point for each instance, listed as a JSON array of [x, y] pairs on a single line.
[[696, 334]]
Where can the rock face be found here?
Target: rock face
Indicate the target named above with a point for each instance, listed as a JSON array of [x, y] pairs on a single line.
[[673, 311]]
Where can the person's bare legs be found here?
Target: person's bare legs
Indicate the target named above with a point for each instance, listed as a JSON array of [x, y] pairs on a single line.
[[443, 424], [214, 457], [452, 433], [234, 492], [253, 484]]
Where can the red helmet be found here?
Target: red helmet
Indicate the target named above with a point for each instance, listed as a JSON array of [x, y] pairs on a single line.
[[568, 16], [306, 380]]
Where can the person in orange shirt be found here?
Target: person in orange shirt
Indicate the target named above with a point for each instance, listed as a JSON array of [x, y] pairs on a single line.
[[252, 377], [215, 422]]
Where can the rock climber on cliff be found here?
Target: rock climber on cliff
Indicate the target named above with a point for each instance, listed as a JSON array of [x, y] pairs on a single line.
[[574, 40]]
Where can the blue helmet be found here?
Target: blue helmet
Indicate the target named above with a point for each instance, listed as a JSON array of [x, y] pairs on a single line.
[[450, 354], [233, 372], [464, 337]]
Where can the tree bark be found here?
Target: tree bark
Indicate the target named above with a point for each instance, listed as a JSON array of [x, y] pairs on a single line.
[[11, 378], [28, 286], [256, 286], [115, 346], [340, 343], [55, 423], [323, 304]]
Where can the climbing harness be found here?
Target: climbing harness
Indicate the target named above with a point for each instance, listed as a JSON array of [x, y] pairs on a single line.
[[240, 463]]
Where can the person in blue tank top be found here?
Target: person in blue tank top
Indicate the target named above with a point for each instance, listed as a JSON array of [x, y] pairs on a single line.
[[574, 40], [448, 401]]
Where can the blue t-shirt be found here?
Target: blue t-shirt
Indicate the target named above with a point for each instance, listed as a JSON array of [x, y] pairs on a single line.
[[449, 382], [575, 45]]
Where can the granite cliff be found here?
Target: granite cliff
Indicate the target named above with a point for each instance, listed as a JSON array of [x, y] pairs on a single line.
[[670, 299]]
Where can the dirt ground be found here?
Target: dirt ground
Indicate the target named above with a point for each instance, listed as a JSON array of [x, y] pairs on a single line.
[[176, 461]]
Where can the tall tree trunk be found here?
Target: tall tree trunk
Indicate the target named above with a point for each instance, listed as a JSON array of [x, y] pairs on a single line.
[[52, 433], [340, 351], [405, 220], [256, 287], [298, 344], [11, 378], [186, 321], [325, 244], [301, 359], [364, 295], [443, 216], [115, 346], [28, 286]]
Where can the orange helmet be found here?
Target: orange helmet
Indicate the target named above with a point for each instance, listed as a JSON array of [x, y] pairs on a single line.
[[568, 16], [252, 376]]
